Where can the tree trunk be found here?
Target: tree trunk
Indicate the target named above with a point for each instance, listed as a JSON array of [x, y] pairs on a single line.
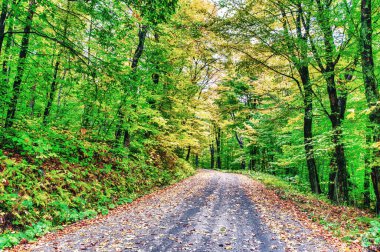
[[127, 139], [212, 156], [20, 67], [53, 88], [332, 180], [252, 161], [218, 148], [4, 86], [308, 130], [197, 161], [301, 61], [375, 175], [156, 75], [309, 151], [140, 47], [342, 185], [339, 174], [367, 171], [340, 192], [3, 17], [241, 144], [188, 153], [243, 165], [371, 90]]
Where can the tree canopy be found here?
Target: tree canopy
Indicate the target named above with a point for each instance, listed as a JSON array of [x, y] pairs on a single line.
[[283, 87]]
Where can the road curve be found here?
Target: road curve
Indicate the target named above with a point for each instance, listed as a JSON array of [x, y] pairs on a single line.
[[211, 211]]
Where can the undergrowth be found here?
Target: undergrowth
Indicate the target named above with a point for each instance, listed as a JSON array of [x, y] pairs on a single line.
[[350, 224], [53, 177]]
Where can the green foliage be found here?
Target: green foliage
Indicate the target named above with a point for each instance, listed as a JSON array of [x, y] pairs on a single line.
[[32, 232], [372, 236], [39, 191], [277, 109]]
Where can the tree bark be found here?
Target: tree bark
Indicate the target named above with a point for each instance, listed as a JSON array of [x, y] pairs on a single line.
[[367, 171], [338, 160], [252, 161], [188, 153], [4, 86], [241, 145], [156, 75], [212, 156], [20, 67], [218, 148], [308, 130], [3, 17], [371, 90], [140, 47], [53, 88], [340, 192]]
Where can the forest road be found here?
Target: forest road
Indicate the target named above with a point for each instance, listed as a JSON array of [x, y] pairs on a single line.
[[211, 211]]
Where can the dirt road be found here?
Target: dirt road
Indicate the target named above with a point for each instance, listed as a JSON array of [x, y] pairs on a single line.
[[211, 211]]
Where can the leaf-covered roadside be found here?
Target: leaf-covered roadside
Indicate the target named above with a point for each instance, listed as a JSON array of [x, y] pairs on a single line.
[[210, 211], [358, 228], [53, 178]]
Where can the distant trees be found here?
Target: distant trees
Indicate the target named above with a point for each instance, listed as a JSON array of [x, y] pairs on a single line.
[[115, 71], [286, 50]]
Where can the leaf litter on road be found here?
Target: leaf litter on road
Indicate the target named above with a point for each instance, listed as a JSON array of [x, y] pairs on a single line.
[[211, 211]]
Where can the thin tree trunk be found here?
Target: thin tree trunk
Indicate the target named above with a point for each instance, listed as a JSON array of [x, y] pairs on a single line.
[[218, 148], [303, 69], [188, 153], [140, 47], [241, 144], [367, 171], [156, 75], [212, 156], [243, 164], [53, 88], [3, 17], [253, 158], [127, 139], [21, 64], [7, 47], [308, 131], [4, 86]]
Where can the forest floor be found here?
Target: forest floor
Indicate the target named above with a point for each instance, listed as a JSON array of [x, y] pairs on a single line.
[[211, 211]]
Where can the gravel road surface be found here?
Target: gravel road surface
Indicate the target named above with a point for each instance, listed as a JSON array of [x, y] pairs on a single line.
[[211, 211]]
